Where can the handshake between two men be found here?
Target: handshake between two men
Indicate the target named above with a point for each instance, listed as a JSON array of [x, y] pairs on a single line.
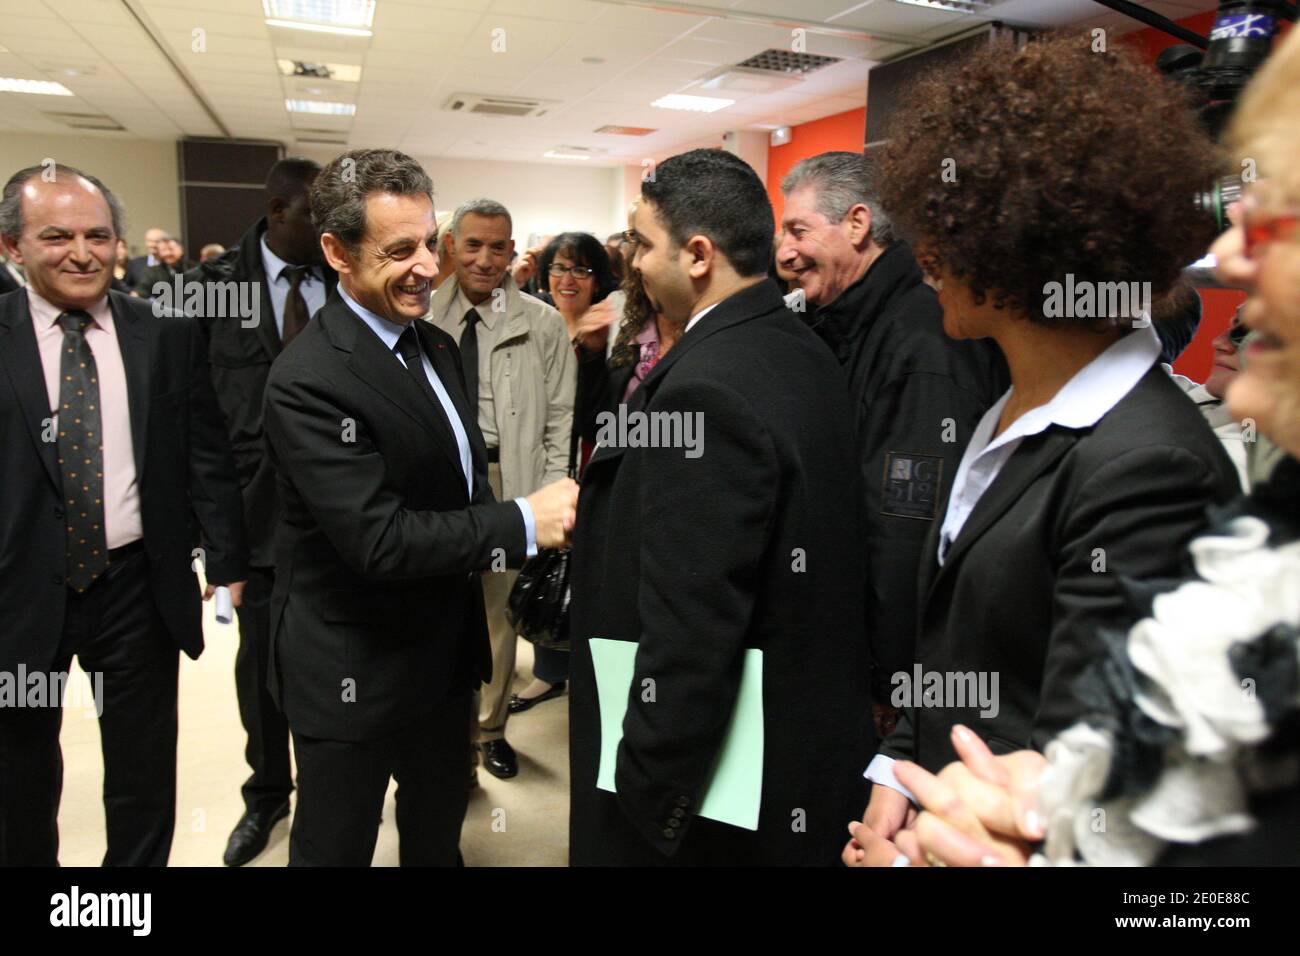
[[555, 508]]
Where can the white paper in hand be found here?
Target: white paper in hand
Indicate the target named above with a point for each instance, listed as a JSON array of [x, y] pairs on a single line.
[[225, 607]]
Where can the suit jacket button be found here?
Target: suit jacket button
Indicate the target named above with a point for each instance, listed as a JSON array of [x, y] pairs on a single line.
[[683, 801], [678, 812], [58, 579], [673, 822], [58, 513], [670, 834]]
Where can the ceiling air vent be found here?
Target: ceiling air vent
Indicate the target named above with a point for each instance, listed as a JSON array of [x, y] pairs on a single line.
[[497, 105], [86, 120], [320, 141], [786, 61]]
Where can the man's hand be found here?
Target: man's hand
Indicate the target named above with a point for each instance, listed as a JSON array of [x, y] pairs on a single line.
[[593, 328], [236, 592], [526, 267], [872, 842], [555, 508]]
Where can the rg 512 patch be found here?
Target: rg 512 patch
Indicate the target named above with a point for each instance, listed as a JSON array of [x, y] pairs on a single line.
[[911, 485]]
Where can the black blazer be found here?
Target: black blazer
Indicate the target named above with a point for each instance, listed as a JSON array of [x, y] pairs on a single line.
[[757, 543], [377, 612], [241, 359], [1032, 576], [188, 492]]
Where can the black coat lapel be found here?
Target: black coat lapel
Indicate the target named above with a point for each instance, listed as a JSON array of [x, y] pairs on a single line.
[[1035, 455], [21, 360], [382, 370], [134, 346]]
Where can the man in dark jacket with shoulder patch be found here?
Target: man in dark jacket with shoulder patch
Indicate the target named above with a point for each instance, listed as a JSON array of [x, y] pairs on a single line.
[[256, 298], [917, 394]]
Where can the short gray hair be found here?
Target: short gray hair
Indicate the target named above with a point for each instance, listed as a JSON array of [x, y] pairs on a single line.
[[488, 208], [842, 180], [11, 205], [338, 195]]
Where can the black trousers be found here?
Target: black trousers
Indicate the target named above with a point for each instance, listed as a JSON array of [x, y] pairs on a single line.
[[115, 632], [267, 750], [341, 787]]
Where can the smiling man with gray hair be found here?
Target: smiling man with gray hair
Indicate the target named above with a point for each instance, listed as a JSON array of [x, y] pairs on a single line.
[[918, 394], [521, 373]]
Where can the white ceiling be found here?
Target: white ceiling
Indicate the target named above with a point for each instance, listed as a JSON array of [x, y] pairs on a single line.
[[422, 51]]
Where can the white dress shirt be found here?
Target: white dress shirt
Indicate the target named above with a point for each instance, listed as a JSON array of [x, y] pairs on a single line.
[[1082, 402], [312, 286], [697, 316], [389, 332]]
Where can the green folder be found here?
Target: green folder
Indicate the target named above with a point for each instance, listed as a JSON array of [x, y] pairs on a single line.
[[735, 790]]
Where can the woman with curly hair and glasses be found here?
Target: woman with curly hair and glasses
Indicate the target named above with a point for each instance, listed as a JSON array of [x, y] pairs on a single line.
[[1049, 191]]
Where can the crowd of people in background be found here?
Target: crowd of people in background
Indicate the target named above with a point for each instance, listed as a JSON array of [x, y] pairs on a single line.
[[990, 567]]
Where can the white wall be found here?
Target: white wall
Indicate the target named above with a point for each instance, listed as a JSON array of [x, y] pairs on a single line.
[[141, 173], [542, 199]]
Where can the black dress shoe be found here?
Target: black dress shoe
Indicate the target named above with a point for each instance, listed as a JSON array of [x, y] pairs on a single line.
[[519, 704], [250, 835], [499, 759]]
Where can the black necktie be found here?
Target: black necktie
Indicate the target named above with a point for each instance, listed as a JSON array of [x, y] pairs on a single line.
[[469, 356], [81, 454], [409, 347], [295, 306]]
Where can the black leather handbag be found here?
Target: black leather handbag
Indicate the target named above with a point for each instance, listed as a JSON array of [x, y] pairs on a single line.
[[538, 606]]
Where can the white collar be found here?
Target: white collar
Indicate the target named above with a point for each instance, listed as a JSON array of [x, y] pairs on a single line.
[[274, 265], [697, 316], [1092, 392], [387, 330]]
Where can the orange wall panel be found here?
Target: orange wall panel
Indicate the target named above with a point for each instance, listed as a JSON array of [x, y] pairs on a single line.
[[841, 131]]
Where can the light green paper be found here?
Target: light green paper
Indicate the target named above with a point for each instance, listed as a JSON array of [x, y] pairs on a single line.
[[735, 790]]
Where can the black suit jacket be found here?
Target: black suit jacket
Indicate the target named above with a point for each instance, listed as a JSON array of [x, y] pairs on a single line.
[[757, 543], [135, 269], [1032, 576], [188, 492], [241, 359], [377, 613]]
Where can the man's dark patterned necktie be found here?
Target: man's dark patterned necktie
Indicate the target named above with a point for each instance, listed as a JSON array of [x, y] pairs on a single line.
[[296, 314], [81, 454]]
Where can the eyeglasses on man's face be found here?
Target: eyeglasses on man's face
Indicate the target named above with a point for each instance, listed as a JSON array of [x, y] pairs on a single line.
[[579, 272]]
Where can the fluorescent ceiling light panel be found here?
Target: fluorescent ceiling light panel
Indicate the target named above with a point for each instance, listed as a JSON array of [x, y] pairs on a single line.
[[354, 14], [552, 154], [320, 106], [319, 28], [697, 104], [9, 84], [342, 72]]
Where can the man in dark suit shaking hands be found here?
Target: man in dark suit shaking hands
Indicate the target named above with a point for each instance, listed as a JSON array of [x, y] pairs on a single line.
[[746, 539], [115, 469], [378, 630]]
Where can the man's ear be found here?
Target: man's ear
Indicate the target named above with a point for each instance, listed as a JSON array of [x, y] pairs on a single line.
[[701, 251], [336, 254], [10, 244], [858, 221]]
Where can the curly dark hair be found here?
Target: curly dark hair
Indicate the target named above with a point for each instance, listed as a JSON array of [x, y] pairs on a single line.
[[585, 250], [1065, 160], [637, 311]]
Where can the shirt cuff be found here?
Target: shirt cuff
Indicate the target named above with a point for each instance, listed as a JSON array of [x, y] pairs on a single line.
[[881, 771], [530, 525]]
